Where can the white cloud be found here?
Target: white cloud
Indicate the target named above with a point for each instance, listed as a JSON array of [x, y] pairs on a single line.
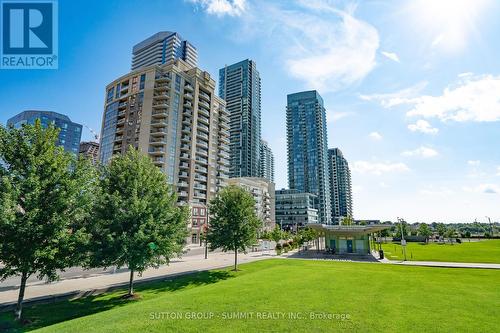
[[391, 55], [375, 136], [334, 116], [474, 162], [440, 191], [484, 188], [423, 152], [222, 7], [378, 168], [322, 45], [498, 171], [389, 100], [471, 98], [423, 126]]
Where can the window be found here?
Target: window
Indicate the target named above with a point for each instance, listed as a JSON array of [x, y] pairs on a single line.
[[202, 211], [195, 211], [143, 81], [194, 238], [111, 91]]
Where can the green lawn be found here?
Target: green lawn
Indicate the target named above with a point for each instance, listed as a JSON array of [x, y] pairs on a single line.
[[484, 251], [372, 298]]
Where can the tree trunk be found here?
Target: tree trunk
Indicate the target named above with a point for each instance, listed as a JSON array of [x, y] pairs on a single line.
[[236, 259], [131, 283], [22, 288]]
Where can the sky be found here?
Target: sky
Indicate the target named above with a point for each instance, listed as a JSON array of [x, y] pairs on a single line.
[[411, 88]]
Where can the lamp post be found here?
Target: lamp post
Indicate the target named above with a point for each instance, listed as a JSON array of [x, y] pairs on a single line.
[[206, 233], [403, 241]]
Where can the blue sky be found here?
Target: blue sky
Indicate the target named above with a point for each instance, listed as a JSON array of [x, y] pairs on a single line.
[[412, 88]]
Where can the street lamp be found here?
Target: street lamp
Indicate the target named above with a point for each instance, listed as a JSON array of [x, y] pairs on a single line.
[[403, 241], [206, 233]]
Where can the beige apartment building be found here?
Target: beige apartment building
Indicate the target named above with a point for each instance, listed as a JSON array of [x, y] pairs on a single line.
[[263, 193], [171, 112]]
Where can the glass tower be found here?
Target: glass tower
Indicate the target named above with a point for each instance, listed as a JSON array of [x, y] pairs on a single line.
[[240, 85], [307, 146], [161, 48], [70, 133], [340, 185]]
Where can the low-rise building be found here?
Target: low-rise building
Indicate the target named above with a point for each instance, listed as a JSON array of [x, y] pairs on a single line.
[[263, 193], [295, 209]]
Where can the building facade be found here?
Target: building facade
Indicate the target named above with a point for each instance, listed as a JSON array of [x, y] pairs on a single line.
[[162, 47], [340, 185], [90, 150], [171, 113], [266, 168], [70, 133], [240, 87], [263, 193], [295, 209], [307, 148]]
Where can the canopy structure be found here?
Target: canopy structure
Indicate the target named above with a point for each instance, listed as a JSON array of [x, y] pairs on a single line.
[[345, 239]]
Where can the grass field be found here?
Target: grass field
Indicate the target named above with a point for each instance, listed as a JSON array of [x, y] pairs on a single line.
[[484, 251], [364, 297]]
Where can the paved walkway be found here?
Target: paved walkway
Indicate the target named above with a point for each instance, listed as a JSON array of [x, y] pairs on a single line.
[[442, 264], [97, 284]]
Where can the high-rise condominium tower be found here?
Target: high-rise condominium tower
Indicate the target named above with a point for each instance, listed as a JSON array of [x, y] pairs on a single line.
[[307, 148], [161, 48], [171, 113], [266, 161], [239, 86], [340, 185], [70, 133]]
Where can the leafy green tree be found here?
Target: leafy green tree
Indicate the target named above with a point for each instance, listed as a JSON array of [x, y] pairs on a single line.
[[347, 220], [441, 229], [450, 233], [404, 226], [233, 224], [424, 231], [138, 223], [46, 196], [467, 234]]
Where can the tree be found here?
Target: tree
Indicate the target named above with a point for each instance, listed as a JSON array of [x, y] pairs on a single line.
[[138, 223], [424, 231], [233, 224], [46, 196], [467, 234], [441, 229], [347, 220], [404, 226], [450, 233]]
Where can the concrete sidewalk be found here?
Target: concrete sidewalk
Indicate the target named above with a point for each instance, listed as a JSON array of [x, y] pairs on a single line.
[[40, 292], [442, 264]]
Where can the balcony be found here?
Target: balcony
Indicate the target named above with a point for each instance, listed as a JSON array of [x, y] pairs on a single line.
[[223, 154], [188, 105], [186, 129], [203, 112], [203, 128], [224, 139], [185, 156], [161, 87], [157, 151], [185, 147], [202, 152], [189, 87], [201, 160], [159, 160], [202, 144], [182, 184], [200, 186], [204, 104], [159, 123], [200, 195], [200, 169], [184, 165], [161, 96], [224, 132], [159, 113], [186, 122], [160, 105], [202, 135], [122, 105], [200, 177], [158, 142], [188, 96], [183, 194], [120, 121], [163, 78], [183, 175], [203, 120], [118, 138], [185, 138], [158, 131], [204, 96]]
